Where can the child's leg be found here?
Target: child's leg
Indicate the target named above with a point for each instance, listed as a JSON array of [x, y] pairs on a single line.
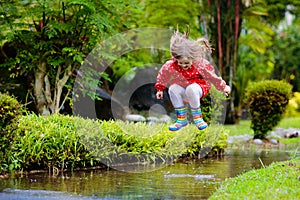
[[194, 93], [177, 93]]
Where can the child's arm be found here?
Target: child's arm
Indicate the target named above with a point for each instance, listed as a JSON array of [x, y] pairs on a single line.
[[162, 79], [208, 73]]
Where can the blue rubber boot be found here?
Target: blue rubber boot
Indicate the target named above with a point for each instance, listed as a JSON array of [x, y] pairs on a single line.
[[197, 117], [181, 119]]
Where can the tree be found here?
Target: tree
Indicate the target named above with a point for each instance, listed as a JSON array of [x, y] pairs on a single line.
[[223, 19], [261, 45], [286, 55], [52, 39], [235, 23]]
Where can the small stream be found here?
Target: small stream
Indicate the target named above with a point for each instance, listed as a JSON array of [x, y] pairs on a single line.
[[194, 179]]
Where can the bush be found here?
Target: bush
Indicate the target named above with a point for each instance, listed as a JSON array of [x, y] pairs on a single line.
[[155, 143], [49, 143], [59, 142], [212, 106], [267, 101], [10, 111]]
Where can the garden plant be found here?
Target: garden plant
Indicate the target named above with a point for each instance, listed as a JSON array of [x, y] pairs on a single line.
[[267, 101]]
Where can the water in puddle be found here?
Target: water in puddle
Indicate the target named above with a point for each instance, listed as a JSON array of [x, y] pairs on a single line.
[[193, 179]]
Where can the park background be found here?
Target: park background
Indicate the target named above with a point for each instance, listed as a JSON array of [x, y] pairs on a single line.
[[44, 43]]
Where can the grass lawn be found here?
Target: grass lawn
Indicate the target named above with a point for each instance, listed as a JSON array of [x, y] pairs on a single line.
[[280, 180], [244, 126]]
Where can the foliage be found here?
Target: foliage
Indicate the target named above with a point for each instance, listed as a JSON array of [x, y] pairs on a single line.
[[59, 142], [212, 106], [277, 10], [175, 13], [277, 181], [48, 143], [293, 108], [54, 41], [286, 50], [10, 111], [211, 140], [139, 141], [267, 101], [258, 50], [185, 11]]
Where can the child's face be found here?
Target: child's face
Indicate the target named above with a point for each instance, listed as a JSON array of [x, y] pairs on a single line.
[[185, 62]]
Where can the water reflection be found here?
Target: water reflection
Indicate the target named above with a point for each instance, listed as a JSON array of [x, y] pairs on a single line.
[[190, 179]]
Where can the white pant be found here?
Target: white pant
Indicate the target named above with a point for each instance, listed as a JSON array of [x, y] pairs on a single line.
[[191, 93]]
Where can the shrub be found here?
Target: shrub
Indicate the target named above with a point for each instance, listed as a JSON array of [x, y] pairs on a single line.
[[60, 142], [267, 101], [10, 111], [49, 143], [212, 106]]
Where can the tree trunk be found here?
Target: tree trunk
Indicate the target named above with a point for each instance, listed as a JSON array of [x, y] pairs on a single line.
[[220, 38], [59, 84], [39, 93], [49, 102]]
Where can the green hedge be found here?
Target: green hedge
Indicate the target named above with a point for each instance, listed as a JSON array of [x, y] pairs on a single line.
[[267, 101], [61, 142], [47, 143], [10, 111]]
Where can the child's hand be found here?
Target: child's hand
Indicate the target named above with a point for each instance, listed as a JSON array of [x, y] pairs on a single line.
[[159, 95], [227, 90]]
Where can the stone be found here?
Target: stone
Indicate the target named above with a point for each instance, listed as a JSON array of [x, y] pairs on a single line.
[[135, 118], [292, 134], [273, 141], [152, 119], [165, 118], [258, 142]]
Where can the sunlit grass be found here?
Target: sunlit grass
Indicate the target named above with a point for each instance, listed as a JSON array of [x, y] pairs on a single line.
[[278, 181], [243, 127], [290, 123]]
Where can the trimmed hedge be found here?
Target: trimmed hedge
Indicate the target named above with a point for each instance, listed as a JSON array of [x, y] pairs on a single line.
[[60, 142], [267, 101], [10, 111]]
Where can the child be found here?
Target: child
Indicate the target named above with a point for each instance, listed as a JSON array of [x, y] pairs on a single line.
[[188, 75]]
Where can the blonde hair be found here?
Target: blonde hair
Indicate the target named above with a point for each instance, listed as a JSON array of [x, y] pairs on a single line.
[[182, 46]]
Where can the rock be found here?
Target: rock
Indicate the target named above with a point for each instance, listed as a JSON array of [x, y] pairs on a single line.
[[258, 142], [152, 119], [135, 118], [292, 134], [165, 118], [274, 135], [239, 138], [273, 141]]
